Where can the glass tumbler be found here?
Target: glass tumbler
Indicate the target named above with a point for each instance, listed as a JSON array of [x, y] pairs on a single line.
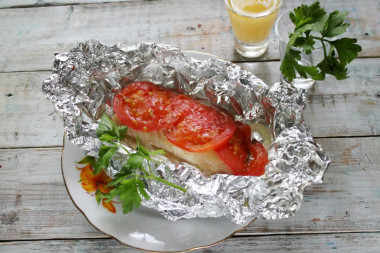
[[283, 27], [252, 21]]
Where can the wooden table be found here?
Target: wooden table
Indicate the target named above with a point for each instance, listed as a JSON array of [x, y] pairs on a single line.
[[36, 213]]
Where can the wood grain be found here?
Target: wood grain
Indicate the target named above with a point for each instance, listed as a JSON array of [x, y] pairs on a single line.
[[44, 3], [34, 203], [28, 119], [349, 107], [34, 34], [334, 108], [37, 214], [348, 242]]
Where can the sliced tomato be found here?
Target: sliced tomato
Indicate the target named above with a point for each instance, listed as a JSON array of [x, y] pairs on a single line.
[[235, 152], [143, 106], [256, 166], [244, 157], [190, 125], [196, 127]]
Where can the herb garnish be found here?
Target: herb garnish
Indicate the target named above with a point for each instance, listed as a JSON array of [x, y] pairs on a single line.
[[313, 18], [129, 182]]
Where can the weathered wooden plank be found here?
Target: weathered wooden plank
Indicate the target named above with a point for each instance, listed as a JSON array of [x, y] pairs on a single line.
[[34, 199], [34, 34], [347, 242], [346, 108], [34, 203], [44, 3], [28, 119], [347, 191], [349, 107]]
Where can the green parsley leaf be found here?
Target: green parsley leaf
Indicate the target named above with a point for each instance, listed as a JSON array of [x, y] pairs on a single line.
[[297, 34], [129, 195], [98, 197], [135, 161], [158, 151], [112, 194], [107, 138], [290, 66], [306, 43], [108, 131], [305, 14], [105, 155], [142, 151], [141, 186], [119, 177], [105, 126], [335, 25], [330, 65], [287, 66], [347, 49], [88, 160], [121, 132]]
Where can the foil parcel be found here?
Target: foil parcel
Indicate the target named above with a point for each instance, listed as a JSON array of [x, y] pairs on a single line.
[[85, 80]]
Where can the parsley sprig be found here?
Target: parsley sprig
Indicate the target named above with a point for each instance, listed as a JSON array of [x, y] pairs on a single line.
[[129, 183], [310, 20]]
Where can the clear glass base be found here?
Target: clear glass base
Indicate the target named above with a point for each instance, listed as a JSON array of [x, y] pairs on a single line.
[[300, 83], [251, 50]]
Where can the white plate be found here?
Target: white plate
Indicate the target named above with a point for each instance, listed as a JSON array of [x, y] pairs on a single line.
[[143, 228]]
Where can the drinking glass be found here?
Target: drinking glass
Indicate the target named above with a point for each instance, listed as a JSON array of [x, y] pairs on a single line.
[[283, 27], [252, 24]]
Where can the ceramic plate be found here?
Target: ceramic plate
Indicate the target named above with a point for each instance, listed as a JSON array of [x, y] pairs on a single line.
[[143, 228]]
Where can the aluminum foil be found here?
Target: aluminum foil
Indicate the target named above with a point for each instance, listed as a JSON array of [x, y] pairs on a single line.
[[86, 78]]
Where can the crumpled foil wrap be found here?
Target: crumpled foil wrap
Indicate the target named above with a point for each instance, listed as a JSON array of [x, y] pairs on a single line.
[[85, 80]]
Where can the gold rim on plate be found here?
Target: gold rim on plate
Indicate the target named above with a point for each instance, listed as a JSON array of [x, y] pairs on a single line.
[[186, 250]]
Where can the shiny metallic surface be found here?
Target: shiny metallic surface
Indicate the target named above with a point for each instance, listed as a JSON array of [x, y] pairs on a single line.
[[85, 80]]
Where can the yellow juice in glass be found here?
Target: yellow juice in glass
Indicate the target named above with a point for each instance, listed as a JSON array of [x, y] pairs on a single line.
[[252, 21]]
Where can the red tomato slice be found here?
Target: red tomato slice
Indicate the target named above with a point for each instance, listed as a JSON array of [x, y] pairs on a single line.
[[256, 167], [234, 153], [241, 155], [143, 106], [197, 127]]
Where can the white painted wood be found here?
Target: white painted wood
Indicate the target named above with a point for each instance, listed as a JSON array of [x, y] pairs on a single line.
[[337, 243], [34, 34], [340, 215], [27, 118], [351, 189], [42, 3], [34, 200], [349, 107], [34, 203]]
